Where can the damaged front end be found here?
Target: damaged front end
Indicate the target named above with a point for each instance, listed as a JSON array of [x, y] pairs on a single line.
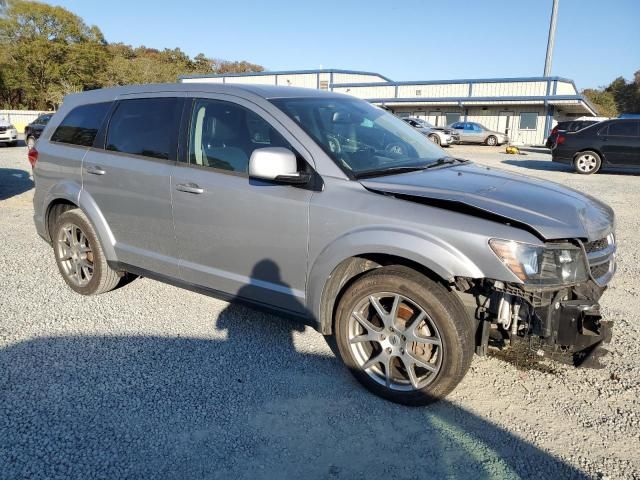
[[561, 321]]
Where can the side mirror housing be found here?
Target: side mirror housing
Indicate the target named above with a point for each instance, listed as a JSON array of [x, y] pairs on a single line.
[[276, 164]]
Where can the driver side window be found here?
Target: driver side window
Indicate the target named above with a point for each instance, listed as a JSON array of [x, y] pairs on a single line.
[[223, 135]]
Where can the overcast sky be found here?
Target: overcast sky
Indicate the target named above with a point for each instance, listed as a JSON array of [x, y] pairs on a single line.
[[597, 40]]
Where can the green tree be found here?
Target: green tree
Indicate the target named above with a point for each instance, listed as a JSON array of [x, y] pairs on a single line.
[[603, 101], [618, 97], [47, 52]]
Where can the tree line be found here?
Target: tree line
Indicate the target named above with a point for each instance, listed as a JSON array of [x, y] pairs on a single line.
[[618, 97], [47, 52]]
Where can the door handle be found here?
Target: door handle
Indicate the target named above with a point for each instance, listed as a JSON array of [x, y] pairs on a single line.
[[189, 188], [96, 170]]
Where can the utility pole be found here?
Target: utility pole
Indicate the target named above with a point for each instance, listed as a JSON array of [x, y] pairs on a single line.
[[552, 38]]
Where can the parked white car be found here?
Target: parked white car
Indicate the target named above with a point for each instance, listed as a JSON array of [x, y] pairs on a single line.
[[440, 136], [8, 133]]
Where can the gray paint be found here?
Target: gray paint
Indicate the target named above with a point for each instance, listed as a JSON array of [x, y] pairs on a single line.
[[220, 237]]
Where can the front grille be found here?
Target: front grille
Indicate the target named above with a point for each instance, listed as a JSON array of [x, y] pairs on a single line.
[[596, 245], [602, 259]]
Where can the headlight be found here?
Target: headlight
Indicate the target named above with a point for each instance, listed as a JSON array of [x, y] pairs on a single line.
[[542, 265]]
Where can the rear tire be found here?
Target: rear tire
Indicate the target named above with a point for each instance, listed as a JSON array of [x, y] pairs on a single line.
[[434, 138], [418, 350], [586, 163], [79, 255], [492, 140]]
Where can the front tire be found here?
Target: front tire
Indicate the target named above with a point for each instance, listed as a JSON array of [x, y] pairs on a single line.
[[492, 140], [434, 138], [403, 336], [586, 163], [79, 255]]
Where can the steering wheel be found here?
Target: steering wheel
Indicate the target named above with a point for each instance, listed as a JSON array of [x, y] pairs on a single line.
[[334, 144]]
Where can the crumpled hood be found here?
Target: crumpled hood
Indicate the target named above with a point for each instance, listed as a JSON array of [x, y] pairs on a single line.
[[551, 210]]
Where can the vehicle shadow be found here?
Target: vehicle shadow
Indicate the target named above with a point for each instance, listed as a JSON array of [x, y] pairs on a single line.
[[545, 165], [14, 182], [251, 406], [549, 166]]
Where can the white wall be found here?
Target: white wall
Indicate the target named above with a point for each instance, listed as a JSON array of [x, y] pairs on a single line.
[[20, 118], [565, 88], [509, 89]]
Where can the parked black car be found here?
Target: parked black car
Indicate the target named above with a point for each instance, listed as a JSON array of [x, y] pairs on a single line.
[[34, 129], [572, 126], [612, 143], [629, 115]]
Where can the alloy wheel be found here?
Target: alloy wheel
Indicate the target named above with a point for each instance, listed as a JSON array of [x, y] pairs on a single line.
[[395, 341], [75, 254], [586, 163]]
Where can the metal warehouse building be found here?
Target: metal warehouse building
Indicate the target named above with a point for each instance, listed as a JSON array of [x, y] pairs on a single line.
[[525, 108]]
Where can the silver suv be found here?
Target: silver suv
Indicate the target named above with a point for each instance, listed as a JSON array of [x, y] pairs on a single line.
[[323, 207]]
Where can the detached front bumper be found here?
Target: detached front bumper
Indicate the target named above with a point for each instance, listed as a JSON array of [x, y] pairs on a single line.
[[574, 327]]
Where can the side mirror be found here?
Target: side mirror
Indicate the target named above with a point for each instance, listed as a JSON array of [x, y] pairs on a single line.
[[276, 164]]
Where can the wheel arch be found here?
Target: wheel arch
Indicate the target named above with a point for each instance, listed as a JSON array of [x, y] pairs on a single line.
[[67, 196], [344, 261], [590, 149]]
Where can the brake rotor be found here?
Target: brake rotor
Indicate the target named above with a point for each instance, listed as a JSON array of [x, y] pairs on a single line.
[[422, 350]]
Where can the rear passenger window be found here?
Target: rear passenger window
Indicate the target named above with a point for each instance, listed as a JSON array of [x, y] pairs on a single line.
[[623, 129], [224, 135], [81, 125], [145, 126]]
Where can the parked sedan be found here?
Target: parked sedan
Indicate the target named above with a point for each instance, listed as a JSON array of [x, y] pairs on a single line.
[[8, 133], [472, 132], [572, 126], [613, 143], [34, 129], [440, 136]]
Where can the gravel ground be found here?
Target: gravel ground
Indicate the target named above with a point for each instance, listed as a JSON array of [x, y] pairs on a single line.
[[151, 381]]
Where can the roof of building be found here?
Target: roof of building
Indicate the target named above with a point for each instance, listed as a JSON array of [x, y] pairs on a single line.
[[287, 72]]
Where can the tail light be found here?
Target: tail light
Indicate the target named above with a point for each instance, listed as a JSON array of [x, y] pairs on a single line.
[[33, 157], [560, 140]]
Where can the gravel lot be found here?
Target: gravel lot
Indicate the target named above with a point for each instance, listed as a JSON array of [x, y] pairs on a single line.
[[151, 381]]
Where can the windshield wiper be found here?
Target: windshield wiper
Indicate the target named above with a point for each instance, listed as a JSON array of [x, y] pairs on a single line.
[[389, 171], [446, 161]]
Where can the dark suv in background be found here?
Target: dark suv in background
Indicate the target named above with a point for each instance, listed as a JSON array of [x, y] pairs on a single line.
[[34, 129], [613, 143], [572, 126]]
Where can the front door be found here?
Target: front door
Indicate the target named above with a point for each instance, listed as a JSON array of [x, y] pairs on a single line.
[[434, 118], [243, 237], [128, 177], [505, 122], [621, 142]]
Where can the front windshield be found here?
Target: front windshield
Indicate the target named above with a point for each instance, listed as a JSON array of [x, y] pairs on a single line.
[[360, 138]]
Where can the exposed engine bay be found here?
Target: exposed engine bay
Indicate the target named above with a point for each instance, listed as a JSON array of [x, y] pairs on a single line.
[[565, 324]]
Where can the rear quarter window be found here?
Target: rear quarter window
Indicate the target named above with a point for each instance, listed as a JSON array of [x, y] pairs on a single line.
[[81, 124], [145, 126]]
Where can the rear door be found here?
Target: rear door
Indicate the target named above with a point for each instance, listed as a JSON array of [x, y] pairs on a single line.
[[128, 175], [621, 143], [240, 236]]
